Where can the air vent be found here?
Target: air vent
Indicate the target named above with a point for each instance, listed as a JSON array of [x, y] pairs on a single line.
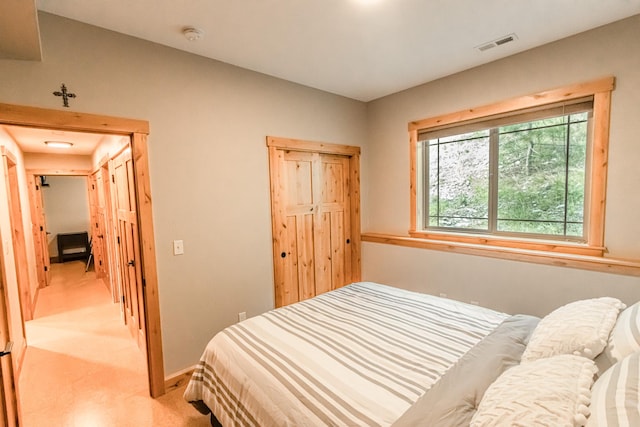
[[504, 40], [498, 42], [486, 46]]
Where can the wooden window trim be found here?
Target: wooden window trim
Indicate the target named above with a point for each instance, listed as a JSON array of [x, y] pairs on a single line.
[[598, 157], [583, 262]]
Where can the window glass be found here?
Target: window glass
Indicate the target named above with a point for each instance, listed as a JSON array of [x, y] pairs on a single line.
[[518, 177]]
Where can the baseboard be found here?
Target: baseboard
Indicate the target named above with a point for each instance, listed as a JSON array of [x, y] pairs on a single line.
[[178, 379]]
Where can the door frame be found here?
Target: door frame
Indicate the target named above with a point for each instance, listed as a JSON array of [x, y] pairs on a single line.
[[9, 167], [138, 131]]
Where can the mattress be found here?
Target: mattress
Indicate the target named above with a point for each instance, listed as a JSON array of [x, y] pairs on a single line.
[[362, 355]]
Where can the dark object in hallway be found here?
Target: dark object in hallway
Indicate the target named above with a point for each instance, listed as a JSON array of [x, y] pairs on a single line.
[[72, 246]]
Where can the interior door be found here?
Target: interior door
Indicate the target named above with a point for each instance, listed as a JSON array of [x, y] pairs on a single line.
[[312, 217], [103, 220], [39, 230], [98, 227], [128, 245]]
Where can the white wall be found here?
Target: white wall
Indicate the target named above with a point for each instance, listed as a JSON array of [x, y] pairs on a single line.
[[66, 207], [509, 285], [208, 160]]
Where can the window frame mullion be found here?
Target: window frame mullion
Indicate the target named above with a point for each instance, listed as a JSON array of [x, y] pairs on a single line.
[[494, 157], [426, 191], [567, 152]]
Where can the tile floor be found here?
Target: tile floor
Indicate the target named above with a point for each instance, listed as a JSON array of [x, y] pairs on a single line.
[[82, 369]]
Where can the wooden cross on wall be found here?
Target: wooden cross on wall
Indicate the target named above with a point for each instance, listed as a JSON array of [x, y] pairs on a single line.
[[65, 95]]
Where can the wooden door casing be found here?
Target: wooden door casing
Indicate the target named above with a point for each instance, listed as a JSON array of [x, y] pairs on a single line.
[[18, 237], [315, 217]]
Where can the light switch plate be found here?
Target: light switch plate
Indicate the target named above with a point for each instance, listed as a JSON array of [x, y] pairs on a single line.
[[178, 247]]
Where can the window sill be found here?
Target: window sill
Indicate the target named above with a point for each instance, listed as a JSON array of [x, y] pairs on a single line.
[[554, 246], [538, 256]]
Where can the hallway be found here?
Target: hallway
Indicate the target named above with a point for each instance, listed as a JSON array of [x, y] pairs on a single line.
[[82, 368]]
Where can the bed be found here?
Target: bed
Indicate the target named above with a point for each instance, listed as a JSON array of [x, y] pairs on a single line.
[[369, 354]]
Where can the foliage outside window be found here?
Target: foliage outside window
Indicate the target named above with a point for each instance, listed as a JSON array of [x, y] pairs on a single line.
[[527, 173], [526, 177]]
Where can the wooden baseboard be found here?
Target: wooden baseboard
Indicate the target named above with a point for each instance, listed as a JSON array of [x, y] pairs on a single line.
[[178, 379]]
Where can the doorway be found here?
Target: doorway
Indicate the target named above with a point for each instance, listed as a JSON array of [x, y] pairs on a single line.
[[66, 212], [81, 363], [136, 131]]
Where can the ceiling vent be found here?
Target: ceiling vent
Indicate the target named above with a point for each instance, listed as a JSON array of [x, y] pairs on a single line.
[[498, 42]]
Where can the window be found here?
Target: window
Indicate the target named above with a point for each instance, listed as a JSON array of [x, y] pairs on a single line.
[[526, 173], [523, 174]]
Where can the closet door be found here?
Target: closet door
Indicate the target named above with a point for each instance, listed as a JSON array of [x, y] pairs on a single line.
[[313, 215]]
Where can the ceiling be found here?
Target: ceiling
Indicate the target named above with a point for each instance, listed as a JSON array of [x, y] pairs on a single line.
[[31, 140], [360, 49]]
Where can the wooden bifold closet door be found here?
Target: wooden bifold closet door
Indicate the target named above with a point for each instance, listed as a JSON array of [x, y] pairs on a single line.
[[315, 217]]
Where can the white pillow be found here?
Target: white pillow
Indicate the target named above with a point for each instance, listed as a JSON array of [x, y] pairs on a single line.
[[623, 340], [581, 328], [553, 391], [614, 399]]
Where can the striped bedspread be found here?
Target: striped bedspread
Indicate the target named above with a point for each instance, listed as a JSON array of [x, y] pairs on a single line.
[[357, 356]]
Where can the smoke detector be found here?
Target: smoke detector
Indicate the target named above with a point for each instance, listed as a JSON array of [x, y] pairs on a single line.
[[192, 34]]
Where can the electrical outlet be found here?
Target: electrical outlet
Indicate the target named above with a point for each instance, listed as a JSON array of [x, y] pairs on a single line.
[[178, 247], [242, 316]]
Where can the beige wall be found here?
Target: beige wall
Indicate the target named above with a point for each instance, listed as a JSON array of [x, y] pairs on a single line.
[[509, 285], [208, 160]]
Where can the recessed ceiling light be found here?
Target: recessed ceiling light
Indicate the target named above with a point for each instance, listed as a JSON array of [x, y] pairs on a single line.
[[58, 144], [192, 34]]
